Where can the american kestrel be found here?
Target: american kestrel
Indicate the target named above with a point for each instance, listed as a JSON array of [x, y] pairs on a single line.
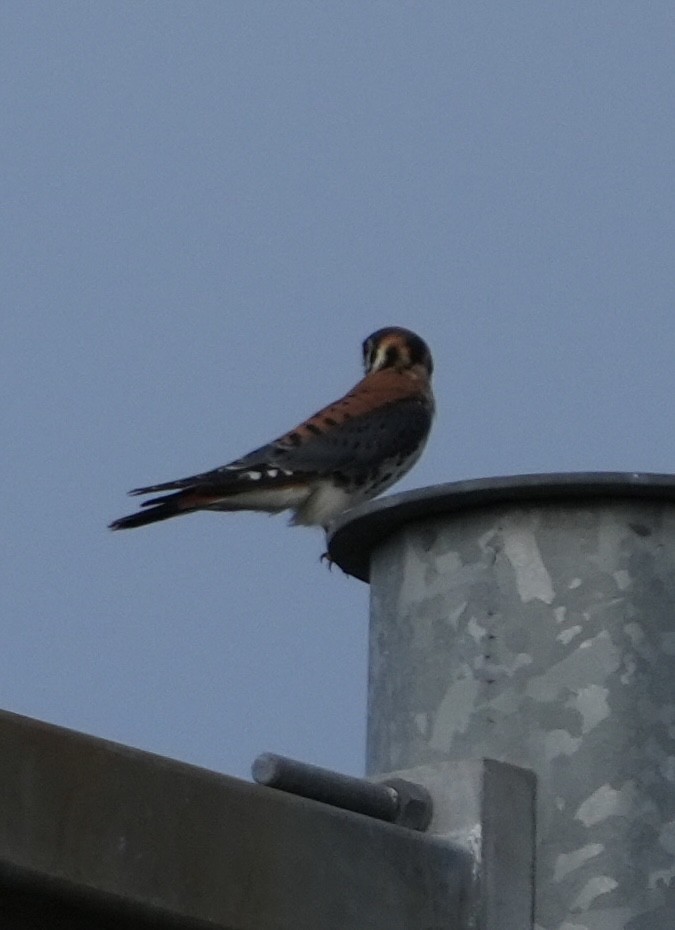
[[346, 453]]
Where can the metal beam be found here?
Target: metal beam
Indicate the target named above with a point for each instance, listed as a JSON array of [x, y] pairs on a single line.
[[89, 827]]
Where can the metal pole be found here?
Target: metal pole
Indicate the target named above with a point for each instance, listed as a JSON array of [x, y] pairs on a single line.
[[532, 620]]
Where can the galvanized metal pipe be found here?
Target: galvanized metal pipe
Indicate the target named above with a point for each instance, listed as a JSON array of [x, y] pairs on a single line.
[[532, 620]]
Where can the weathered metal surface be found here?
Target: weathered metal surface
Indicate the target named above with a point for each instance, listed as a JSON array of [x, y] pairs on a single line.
[[90, 830], [539, 631]]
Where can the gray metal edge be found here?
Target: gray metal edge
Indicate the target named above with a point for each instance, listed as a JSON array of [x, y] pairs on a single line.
[[359, 531], [97, 821]]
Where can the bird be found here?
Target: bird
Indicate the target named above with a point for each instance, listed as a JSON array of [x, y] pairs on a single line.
[[343, 455]]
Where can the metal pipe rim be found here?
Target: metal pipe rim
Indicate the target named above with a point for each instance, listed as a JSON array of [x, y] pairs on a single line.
[[355, 535]]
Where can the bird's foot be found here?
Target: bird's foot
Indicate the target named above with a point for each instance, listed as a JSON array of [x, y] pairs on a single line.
[[325, 557]]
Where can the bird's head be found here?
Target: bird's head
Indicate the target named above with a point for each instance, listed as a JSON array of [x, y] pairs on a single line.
[[398, 348]]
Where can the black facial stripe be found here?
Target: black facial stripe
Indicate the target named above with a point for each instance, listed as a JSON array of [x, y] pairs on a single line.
[[419, 353], [391, 356]]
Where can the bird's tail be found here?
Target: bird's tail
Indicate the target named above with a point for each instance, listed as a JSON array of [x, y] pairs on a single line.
[[161, 508]]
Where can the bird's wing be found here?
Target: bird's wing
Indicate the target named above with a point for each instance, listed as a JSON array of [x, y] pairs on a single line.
[[359, 444], [384, 416]]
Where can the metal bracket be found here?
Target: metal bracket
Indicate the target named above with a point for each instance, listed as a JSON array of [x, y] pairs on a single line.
[[483, 807]]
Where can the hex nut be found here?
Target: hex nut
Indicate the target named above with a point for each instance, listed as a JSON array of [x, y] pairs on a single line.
[[415, 805]]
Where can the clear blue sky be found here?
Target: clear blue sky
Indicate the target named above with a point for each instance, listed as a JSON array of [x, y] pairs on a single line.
[[206, 207]]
